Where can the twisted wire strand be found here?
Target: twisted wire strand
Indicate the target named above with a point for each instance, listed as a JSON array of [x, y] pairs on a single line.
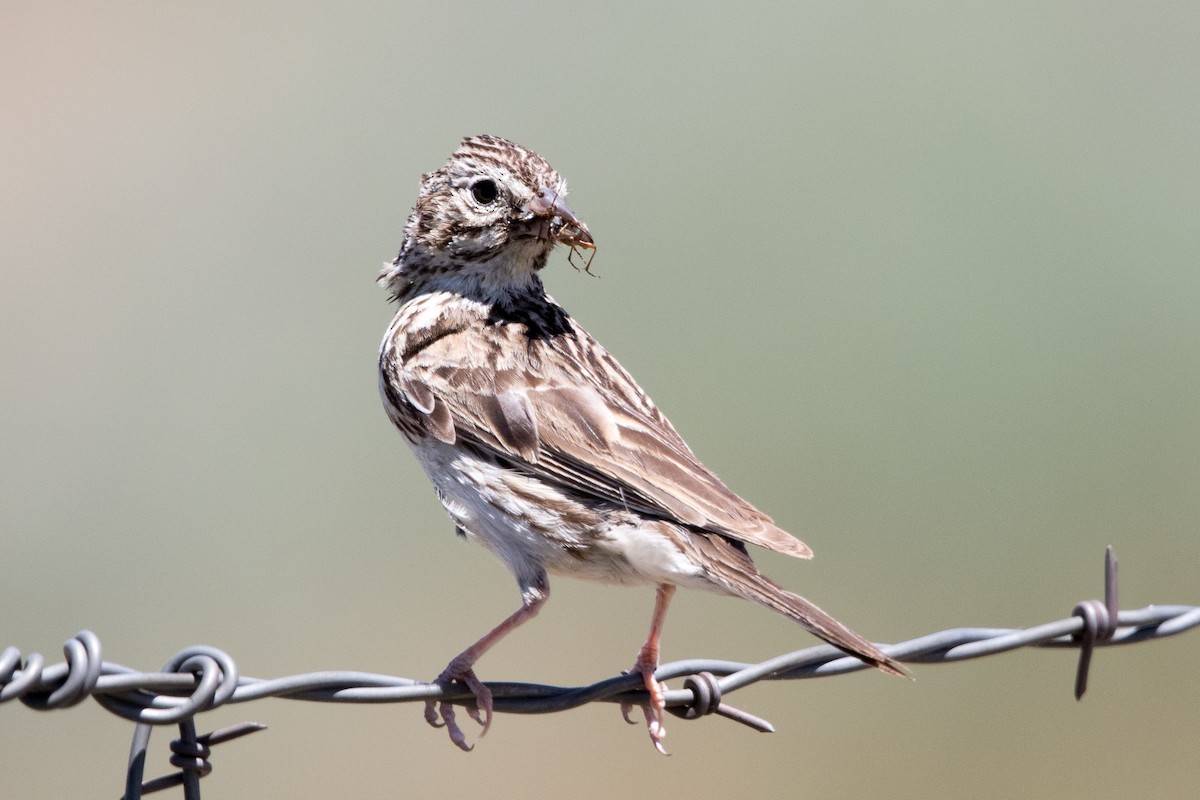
[[200, 678]]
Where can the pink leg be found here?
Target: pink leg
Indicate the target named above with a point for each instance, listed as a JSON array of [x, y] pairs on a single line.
[[647, 663], [461, 668]]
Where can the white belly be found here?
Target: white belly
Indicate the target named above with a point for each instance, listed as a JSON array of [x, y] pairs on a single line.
[[533, 527]]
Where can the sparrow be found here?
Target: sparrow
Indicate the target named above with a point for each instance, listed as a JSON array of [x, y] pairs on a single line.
[[539, 444]]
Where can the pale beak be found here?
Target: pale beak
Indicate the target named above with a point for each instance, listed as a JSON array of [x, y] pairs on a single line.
[[553, 221]]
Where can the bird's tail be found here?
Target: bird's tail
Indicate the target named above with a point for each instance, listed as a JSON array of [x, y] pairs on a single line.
[[762, 590], [727, 565]]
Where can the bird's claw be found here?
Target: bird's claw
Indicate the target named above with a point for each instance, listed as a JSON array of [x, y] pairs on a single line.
[[654, 726], [431, 714], [655, 710], [442, 714]]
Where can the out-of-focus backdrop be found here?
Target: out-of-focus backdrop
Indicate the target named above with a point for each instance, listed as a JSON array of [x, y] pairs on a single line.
[[922, 283]]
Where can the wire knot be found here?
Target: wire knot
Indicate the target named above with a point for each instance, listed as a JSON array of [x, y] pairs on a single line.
[[706, 695], [216, 680], [706, 699], [59, 686], [1099, 622], [191, 755]]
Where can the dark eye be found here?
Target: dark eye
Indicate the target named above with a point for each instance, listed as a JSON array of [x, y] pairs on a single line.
[[485, 191]]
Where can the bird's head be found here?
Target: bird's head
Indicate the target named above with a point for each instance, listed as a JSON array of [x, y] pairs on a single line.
[[484, 223]]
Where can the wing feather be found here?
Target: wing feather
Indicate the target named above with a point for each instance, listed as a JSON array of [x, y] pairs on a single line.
[[563, 409], [511, 417]]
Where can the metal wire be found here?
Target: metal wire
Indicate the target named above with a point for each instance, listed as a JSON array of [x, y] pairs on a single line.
[[198, 679]]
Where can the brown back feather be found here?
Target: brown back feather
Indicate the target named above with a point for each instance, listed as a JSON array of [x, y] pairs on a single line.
[[563, 409]]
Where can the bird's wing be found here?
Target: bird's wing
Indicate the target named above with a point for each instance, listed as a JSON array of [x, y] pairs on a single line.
[[564, 410]]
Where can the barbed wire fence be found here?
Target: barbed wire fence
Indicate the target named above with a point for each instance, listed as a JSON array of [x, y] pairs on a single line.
[[199, 679]]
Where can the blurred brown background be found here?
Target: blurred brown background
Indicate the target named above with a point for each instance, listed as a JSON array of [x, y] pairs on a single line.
[[922, 283]]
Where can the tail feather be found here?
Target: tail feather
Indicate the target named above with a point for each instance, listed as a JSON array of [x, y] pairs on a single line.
[[815, 621], [728, 565]]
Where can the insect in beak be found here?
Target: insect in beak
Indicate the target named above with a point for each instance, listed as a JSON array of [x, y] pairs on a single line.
[[562, 226]]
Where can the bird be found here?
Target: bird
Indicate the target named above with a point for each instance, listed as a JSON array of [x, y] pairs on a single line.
[[539, 444]]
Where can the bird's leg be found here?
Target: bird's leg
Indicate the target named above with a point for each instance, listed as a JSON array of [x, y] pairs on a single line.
[[462, 668], [646, 664]]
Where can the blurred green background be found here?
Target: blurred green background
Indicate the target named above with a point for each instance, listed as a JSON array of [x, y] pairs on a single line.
[[921, 281]]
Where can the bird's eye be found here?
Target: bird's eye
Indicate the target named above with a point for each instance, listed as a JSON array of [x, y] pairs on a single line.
[[485, 191]]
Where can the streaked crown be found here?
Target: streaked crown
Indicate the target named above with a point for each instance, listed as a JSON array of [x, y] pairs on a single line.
[[484, 223]]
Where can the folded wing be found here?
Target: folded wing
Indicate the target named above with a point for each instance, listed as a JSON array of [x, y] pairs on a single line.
[[586, 426]]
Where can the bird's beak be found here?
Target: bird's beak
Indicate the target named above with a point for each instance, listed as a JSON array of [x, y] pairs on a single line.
[[551, 220]]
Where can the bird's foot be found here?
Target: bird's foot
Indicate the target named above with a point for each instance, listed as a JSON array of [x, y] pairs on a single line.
[[439, 714], [654, 711]]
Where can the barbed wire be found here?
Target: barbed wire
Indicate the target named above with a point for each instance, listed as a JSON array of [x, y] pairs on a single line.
[[201, 678]]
